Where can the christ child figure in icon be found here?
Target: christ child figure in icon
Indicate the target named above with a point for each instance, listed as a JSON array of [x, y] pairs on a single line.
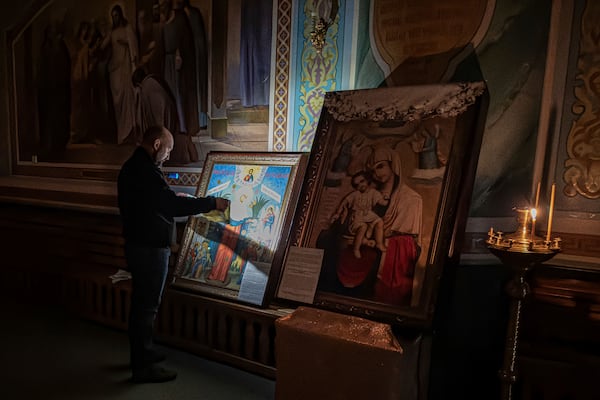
[[364, 223]]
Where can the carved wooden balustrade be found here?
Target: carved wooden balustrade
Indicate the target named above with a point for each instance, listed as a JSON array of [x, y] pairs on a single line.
[[66, 257]]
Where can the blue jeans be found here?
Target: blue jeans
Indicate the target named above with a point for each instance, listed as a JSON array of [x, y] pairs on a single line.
[[148, 267]]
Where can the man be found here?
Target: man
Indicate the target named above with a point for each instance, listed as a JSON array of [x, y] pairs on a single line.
[[147, 207]]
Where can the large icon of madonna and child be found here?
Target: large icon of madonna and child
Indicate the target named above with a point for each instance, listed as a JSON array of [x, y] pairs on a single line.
[[374, 239], [386, 195], [388, 170]]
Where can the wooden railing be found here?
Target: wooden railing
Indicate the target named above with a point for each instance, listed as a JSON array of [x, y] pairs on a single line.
[[560, 346], [66, 257]]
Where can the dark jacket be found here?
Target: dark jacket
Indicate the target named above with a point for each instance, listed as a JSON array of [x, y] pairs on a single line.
[[148, 205]]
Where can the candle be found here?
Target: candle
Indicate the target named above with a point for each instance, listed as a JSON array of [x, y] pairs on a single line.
[[533, 217], [550, 212], [537, 195]]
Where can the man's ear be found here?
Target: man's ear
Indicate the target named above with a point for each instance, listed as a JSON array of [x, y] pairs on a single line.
[[156, 144]]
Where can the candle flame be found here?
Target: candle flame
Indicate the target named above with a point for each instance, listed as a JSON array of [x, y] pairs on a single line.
[[533, 214]]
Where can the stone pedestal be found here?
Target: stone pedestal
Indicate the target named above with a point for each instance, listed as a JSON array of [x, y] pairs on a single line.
[[326, 355]]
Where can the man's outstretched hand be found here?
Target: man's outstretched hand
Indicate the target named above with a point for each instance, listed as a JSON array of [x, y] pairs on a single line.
[[221, 204]]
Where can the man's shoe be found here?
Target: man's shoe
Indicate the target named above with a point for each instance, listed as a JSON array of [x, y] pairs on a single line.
[[152, 357], [152, 374], [155, 357]]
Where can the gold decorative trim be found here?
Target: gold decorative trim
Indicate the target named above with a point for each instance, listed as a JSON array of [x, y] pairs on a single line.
[[183, 179], [320, 72], [282, 74], [582, 167]]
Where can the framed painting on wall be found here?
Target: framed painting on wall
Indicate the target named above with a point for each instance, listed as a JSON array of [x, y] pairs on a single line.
[[386, 195], [86, 79], [235, 254]]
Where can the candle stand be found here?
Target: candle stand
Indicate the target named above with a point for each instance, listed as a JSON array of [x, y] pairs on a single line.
[[521, 251]]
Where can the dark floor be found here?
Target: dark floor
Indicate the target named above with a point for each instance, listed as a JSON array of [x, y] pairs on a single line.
[[47, 354]]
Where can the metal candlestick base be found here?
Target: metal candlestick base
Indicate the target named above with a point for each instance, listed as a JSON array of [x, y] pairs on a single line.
[[520, 251]]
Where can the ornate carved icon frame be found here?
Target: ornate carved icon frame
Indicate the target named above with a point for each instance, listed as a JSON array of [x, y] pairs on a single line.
[[427, 138], [237, 254]]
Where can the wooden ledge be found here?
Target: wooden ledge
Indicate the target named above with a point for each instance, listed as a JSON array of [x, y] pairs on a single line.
[[75, 194]]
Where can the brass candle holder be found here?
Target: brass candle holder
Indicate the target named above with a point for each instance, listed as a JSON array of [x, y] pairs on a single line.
[[523, 240], [520, 251]]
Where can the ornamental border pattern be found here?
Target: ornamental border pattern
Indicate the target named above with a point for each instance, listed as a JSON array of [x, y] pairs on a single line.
[[282, 74]]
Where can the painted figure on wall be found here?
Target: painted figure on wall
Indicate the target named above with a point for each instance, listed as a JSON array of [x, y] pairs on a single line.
[[147, 41], [255, 53], [150, 28], [155, 105], [104, 106], [80, 88], [124, 57], [102, 123], [180, 66], [154, 101], [92, 110], [54, 92], [104, 43], [201, 52]]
